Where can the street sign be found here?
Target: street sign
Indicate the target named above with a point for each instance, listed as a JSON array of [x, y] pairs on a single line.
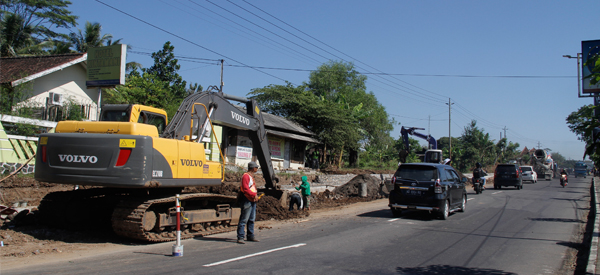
[[590, 51]]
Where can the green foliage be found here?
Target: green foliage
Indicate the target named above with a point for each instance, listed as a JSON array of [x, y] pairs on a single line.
[[165, 69], [91, 37], [335, 106], [27, 26], [582, 122]]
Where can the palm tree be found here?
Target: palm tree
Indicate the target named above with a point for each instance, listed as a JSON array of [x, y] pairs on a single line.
[[91, 37], [15, 35]]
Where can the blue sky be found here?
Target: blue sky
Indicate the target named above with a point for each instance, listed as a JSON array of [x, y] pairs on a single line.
[[500, 62]]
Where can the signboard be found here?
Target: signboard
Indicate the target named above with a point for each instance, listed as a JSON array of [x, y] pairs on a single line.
[[243, 152], [106, 66], [276, 147], [589, 51]]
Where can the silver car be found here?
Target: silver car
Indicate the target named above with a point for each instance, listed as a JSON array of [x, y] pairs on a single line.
[[529, 174]]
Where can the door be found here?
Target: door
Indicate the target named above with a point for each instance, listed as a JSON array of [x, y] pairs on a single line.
[[455, 186]]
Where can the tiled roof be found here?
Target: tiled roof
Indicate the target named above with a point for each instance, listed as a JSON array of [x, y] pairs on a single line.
[[284, 125], [15, 68]]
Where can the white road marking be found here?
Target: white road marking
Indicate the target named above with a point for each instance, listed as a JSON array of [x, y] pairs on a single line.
[[393, 220], [496, 192], [255, 254], [470, 199]]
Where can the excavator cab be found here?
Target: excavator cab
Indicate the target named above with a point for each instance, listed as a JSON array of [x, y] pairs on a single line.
[[433, 156]]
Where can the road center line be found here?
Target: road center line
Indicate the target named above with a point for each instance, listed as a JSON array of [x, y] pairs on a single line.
[[496, 192], [255, 254]]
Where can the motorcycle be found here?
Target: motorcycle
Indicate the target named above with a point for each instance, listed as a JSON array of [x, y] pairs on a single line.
[[477, 185], [563, 180]]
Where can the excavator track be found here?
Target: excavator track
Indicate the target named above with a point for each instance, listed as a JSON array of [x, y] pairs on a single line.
[[135, 217]]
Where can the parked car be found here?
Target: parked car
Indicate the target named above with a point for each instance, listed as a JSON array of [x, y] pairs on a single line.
[[528, 174], [429, 187], [508, 175]]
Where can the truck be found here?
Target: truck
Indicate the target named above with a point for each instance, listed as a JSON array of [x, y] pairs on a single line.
[[542, 164], [136, 163], [580, 169], [432, 155]]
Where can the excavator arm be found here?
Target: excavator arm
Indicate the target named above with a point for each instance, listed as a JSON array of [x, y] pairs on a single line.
[[432, 155], [191, 122], [406, 131]]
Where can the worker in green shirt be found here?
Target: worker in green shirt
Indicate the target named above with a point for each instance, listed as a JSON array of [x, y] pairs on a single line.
[[315, 160], [305, 191]]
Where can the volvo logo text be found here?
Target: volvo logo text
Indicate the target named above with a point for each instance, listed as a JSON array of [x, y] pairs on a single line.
[[78, 158], [191, 162], [240, 118]]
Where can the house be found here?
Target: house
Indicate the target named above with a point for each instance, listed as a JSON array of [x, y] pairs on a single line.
[[51, 83], [287, 143]]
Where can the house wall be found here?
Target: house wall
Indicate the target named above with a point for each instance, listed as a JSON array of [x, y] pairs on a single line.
[[240, 151], [70, 82]]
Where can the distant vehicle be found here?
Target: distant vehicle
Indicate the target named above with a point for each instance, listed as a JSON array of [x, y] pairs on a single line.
[[432, 155], [508, 175], [528, 174], [581, 169], [542, 164], [429, 187]]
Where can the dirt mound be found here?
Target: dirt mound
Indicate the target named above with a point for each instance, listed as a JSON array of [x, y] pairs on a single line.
[[353, 187], [270, 208]]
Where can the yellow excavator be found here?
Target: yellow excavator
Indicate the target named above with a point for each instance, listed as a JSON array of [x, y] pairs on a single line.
[[136, 162]]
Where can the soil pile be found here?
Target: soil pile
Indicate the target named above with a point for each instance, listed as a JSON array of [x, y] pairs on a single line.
[[270, 208], [353, 187]]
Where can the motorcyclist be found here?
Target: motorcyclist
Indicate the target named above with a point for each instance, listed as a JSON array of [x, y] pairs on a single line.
[[479, 173], [564, 172]]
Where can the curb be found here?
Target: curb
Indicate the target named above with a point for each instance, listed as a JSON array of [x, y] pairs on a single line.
[[593, 257]]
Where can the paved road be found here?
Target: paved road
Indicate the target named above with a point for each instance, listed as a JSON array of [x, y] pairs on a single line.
[[504, 231]]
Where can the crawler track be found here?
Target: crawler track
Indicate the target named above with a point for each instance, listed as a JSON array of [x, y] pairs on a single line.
[[131, 214], [129, 217]]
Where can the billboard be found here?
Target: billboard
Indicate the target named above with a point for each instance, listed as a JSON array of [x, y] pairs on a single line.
[[106, 66], [589, 52]]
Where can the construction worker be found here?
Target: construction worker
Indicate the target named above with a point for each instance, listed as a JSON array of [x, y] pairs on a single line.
[[316, 159], [296, 199], [305, 191], [248, 204]]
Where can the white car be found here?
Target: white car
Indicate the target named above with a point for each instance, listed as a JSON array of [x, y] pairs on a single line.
[[528, 174]]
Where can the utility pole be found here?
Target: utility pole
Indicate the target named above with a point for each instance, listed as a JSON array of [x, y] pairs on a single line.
[[222, 84], [449, 128]]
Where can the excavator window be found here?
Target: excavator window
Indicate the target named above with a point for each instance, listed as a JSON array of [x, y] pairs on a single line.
[[115, 116], [153, 119]]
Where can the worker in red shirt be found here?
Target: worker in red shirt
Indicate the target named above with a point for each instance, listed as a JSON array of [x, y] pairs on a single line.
[[248, 204]]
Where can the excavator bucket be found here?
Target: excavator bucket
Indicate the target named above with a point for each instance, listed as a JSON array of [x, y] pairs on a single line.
[[281, 195]]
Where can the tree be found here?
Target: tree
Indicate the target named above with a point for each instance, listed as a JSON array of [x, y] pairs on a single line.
[[26, 23], [165, 68], [343, 87], [334, 105], [91, 37], [582, 122]]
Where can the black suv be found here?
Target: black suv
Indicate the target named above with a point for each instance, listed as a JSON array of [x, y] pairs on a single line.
[[508, 175], [428, 186]]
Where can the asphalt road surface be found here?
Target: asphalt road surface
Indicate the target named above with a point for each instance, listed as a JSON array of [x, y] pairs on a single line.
[[505, 231]]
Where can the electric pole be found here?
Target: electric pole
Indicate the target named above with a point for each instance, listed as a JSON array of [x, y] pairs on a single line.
[[449, 128]]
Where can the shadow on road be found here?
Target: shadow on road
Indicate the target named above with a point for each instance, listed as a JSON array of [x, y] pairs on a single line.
[[383, 213], [556, 220], [450, 270]]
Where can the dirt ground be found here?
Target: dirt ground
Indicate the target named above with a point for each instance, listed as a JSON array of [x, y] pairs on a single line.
[[24, 235]]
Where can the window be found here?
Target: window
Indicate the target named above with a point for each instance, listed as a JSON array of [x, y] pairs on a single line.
[[419, 173]]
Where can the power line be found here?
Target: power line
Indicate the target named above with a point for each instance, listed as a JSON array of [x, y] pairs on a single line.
[[182, 38]]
